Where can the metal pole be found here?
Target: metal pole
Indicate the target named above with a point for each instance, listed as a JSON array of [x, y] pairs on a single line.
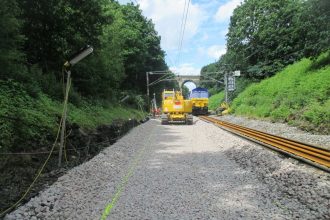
[[155, 104], [148, 99], [154, 107], [66, 97], [226, 87]]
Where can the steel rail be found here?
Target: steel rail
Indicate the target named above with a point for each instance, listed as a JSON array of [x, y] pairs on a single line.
[[308, 153]]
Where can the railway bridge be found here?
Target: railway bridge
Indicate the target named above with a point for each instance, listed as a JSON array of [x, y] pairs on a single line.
[[182, 79]]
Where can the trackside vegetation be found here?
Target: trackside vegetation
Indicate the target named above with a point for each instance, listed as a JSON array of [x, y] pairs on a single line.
[[36, 39], [298, 95], [265, 36], [36, 119], [216, 99], [282, 50]]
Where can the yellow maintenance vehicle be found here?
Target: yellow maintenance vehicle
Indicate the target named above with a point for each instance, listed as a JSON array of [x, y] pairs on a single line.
[[223, 109], [175, 108]]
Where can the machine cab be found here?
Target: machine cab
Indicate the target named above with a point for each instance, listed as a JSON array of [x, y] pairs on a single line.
[[168, 95]]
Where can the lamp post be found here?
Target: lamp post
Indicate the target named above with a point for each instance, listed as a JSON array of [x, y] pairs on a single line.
[[147, 77], [81, 54], [226, 87]]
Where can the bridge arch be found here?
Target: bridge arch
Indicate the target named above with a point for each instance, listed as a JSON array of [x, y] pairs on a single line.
[[182, 79]]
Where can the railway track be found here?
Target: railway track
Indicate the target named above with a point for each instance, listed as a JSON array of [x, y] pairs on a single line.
[[308, 153]]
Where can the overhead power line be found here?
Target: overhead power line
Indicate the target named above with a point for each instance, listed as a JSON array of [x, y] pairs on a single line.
[[183, 28], [182, 21], [166, 75]]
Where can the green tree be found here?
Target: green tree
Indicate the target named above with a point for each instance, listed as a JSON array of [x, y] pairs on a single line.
[[185, 92], [57, 28], [142, 51], [207, 72], [125, 43], [263, 36], [11, 40], [130, 47], [315, 27]]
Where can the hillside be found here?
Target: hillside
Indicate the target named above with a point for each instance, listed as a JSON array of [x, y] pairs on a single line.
[[298, 95], [29, 125], [35, 119]]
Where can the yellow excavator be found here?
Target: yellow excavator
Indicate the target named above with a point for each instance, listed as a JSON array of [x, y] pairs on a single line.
[[175, 109]]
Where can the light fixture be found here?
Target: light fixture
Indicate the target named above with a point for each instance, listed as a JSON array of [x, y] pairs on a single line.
[[81, 54], [74, 59]]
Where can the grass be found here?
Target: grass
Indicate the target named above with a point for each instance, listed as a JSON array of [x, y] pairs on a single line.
[[215, 100], [299, 95], [26, 122], [93, 116]]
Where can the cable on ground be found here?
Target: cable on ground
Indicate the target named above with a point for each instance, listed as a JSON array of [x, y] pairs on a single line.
[[38, 174], [42, 167]]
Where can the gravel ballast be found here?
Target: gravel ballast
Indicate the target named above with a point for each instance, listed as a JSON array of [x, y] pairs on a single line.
[[184, 172]]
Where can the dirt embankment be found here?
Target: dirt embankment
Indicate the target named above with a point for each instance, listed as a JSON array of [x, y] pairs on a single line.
[[18, 169]]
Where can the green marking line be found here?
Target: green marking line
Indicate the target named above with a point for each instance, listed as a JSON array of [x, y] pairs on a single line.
[[123, 183]]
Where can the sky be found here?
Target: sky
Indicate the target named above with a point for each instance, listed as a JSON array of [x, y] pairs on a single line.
[[205, 32]]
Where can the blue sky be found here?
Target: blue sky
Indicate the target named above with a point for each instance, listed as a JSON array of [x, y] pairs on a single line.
[[205, 34]]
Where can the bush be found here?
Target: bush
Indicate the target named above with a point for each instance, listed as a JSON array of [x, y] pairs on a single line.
[[22, 122]]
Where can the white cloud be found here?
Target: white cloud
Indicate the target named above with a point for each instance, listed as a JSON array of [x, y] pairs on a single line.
[[216, 51], [167, 15], [202, 30], [225, 11], [185, 69]]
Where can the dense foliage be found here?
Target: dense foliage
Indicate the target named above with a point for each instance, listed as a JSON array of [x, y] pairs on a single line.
[[265, 36], [11, 40], [27, 122], [38, 36]]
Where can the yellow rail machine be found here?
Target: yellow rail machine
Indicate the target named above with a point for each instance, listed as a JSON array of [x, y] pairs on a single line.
[[175, 108]]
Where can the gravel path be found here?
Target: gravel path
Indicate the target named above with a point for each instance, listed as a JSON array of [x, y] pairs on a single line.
[[184, 172], [280, 129]]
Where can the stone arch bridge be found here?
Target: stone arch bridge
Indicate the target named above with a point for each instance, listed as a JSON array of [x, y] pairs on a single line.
[[182, 79]]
